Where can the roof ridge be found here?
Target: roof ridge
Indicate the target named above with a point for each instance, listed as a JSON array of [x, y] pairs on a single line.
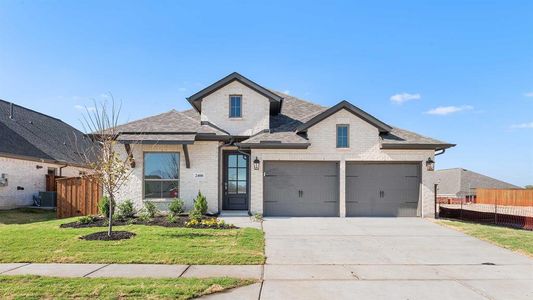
[[29, 109]]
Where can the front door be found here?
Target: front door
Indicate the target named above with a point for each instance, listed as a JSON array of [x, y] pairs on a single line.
[[236, 181]]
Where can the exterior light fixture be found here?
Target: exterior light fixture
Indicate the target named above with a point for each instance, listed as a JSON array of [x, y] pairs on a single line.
[[256, 163], [430, 164]]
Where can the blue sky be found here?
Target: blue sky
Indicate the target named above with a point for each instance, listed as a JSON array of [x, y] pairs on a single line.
[[459, 71]]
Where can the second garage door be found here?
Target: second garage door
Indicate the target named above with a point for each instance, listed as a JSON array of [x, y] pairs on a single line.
[[301, 189], [382, 189]]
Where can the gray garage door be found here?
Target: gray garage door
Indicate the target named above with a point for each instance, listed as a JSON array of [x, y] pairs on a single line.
[[301, 189], [382, 190]]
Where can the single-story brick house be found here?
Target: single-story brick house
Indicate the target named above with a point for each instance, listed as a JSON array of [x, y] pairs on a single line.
[[253, 149], [33, 145], [460, 183]]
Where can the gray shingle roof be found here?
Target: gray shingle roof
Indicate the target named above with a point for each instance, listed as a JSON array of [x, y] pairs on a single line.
[[35, 135], [169, 122], [283, 126], [460, 182]]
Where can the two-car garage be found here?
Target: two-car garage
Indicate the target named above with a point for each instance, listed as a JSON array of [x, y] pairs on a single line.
[[311, 189]]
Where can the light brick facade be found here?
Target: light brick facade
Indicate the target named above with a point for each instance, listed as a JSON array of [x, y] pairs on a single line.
[[364, 146], [203, 159], [255, 110], [25, 179]]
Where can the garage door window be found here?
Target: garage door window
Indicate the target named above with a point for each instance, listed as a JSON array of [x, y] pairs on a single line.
[[342, 136], [161, 174]]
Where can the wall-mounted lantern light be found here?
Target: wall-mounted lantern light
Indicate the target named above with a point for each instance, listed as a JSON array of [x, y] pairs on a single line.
[[256, 163], [430, 164]]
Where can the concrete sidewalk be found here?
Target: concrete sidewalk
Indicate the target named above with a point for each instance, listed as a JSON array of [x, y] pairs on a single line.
[[133, 270]]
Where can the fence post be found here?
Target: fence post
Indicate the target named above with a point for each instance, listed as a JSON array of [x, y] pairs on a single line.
[[435, 195], [496, 210]]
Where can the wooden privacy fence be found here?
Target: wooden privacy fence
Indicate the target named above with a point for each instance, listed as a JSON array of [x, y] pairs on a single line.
[[77, 196], [505, 197], [51, 182]]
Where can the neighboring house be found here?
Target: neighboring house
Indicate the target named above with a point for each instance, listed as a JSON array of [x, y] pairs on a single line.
[[33, 145], [462, 183], [249, 148]]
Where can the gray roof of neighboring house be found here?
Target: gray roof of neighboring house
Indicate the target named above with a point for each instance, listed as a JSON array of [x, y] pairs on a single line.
[[33, 135], [460, 182], [286, 128]]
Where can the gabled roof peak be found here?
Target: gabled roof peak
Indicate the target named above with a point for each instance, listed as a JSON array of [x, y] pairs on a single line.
[[344, 104], [275, 100]]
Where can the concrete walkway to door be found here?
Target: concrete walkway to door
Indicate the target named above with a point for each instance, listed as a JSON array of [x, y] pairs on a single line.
[[386, 258]]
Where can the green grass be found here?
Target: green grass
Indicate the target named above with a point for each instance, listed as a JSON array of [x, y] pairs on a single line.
[[514, 239], [26, 215], [43, 242], [35, 287]]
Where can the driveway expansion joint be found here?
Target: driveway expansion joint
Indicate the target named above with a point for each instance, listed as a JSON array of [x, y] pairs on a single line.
[[185, 270], [24, 265], [98, 269]]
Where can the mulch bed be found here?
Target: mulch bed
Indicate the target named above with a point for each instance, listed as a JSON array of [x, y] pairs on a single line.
[[156, 221], [103, 236]]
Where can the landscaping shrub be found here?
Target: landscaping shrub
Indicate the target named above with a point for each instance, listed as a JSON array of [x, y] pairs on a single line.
[[103, 206], [208, 223], [200, 203], [126, 210], [86, 219], [177, 206], [150, 209], [171, 218]]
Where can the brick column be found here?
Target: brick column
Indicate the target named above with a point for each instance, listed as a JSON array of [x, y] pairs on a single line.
[[342, 188]]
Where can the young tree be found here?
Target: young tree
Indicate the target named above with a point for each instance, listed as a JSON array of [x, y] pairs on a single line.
[[108, 167]]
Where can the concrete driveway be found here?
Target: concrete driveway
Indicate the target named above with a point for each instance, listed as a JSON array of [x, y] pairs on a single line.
[[386, 258]]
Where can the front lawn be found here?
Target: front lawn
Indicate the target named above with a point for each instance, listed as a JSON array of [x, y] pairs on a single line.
[[43, 242], [514, 239], [35, 287], [26, 215]]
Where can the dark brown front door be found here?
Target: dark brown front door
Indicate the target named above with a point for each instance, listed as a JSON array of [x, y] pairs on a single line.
[[236, 180]]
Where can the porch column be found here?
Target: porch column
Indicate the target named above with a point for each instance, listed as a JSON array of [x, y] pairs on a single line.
[[342, 188]]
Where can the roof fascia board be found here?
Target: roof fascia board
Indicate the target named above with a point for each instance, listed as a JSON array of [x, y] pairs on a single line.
[[274, 145], [416, 146], [42, 160]]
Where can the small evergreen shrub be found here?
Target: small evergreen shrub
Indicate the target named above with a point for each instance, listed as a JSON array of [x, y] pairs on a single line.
[[200, 203], [177, 206], [86, 219], [171, 218], [103, 206], [150, 209], [195, 214], [126, 210]]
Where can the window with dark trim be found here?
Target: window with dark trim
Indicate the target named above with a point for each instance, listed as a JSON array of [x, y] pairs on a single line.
[[161, 174], [342, 136], [235, 106]]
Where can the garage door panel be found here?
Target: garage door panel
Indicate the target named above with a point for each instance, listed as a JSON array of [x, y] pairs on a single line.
[[301, 189], [382, 190]]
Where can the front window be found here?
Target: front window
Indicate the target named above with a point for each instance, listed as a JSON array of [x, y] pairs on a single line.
[[161, 174], [342, 136], [235, 106]]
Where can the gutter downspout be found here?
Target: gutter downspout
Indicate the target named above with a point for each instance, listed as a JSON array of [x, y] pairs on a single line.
[[61, 170]]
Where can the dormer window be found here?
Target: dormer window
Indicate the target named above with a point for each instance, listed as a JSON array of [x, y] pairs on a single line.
[[235, 106]]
